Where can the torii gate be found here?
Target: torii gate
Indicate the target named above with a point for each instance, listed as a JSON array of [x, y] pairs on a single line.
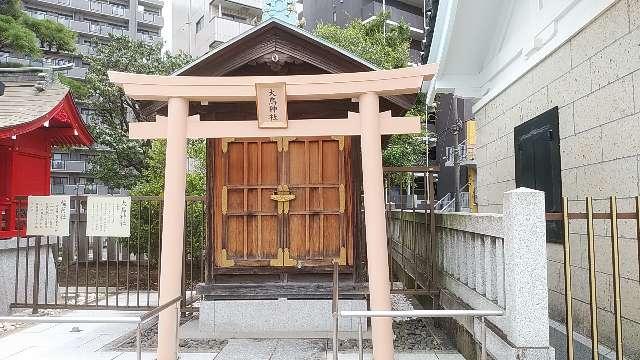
[[369, 124]]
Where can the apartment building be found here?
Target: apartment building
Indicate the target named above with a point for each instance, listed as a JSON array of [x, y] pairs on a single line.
[[198, 26], [218, 21], [342, 12], [92, 21]]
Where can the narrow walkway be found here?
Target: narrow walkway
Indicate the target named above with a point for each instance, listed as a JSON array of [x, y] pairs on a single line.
[[60, 342]]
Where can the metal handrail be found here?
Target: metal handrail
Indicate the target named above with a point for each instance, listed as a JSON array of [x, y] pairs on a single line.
[[420, 314], [139, 320], [444, 198]]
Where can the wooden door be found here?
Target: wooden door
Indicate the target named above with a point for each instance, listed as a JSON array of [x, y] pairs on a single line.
[[316, 224], [248, 222], [282, 202]]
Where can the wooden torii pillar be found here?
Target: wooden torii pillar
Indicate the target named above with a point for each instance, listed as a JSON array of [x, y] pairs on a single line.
[[369, 123]]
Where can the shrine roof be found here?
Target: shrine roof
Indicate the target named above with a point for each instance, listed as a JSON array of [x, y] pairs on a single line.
[[276, 48], [31, 99], [264, 26]]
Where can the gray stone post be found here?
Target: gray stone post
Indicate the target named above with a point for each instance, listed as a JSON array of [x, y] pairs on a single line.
[[526, 298], [112, 244], [83, 240]]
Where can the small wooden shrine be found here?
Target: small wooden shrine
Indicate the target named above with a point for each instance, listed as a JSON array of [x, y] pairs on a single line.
[[283, 205]]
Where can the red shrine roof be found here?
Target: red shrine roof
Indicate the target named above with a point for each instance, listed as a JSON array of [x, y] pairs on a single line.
[[31, 101]]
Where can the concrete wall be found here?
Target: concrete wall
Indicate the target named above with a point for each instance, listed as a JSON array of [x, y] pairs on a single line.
[[594, 80]]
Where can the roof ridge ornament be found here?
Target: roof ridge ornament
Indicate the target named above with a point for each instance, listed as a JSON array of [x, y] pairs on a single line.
[[284, 10]]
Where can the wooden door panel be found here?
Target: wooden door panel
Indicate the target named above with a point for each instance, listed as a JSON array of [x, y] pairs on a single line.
[[250, 220], [316, 229]]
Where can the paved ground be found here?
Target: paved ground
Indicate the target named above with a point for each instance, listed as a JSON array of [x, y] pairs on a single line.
[[98, 341], [59, 342]]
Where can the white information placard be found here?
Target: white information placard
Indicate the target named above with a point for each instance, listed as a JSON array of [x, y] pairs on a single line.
[[48, 215], [109, 216]]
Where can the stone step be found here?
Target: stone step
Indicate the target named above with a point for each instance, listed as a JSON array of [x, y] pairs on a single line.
[[250, 318], [264, 291]]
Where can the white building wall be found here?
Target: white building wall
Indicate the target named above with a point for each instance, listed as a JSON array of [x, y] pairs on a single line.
[[179, 24], [594, 80]]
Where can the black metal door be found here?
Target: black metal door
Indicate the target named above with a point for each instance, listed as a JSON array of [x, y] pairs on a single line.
[[537, 145]]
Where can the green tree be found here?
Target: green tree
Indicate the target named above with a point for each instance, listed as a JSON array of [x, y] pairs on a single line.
[[145, 214], [386, 47], [123, 162], [11, 8], [152, 180], [14, 36], [23, 34], [53, 36], [137, 165]]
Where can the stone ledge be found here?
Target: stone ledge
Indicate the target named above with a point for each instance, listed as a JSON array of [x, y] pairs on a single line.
[[241, 317]]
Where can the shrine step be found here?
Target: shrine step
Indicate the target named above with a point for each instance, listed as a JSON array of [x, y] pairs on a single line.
[[273, 318], [276, 290]]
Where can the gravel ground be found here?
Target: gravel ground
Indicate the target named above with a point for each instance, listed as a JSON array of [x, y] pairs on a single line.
[[150, 341], [411, 334]]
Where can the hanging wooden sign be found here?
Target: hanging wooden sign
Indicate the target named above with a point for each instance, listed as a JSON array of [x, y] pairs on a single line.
[[109, 216], [48, 215], [271, 100]]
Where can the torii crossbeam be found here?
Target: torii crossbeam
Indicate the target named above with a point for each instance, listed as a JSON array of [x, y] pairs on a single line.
[[369, 124]]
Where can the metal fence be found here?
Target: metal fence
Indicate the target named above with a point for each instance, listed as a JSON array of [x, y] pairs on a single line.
[[409, 230], [84, 272], [587, 222]]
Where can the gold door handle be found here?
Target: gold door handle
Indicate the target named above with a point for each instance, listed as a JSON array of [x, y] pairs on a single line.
[[283, 196]]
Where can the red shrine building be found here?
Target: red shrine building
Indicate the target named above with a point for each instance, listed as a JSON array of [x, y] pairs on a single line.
[[36, 113]]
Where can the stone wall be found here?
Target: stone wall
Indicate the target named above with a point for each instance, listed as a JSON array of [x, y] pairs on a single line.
[[8, 259], [594, 80], [497, 262]]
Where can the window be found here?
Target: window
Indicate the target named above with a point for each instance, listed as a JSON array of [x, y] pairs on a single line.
[[537, 160], [60, 156], [56, 180], [234, 17], [199, 24]]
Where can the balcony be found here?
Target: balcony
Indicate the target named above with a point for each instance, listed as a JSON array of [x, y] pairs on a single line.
[[97, 29], [82, 189], [93, 7], [156, 3], [150, 18], [415, 21], [77, 73], [224, 30], [69, 166], [6, 58], [467, 153], [251, 3], [86, 49], [148, 38]]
